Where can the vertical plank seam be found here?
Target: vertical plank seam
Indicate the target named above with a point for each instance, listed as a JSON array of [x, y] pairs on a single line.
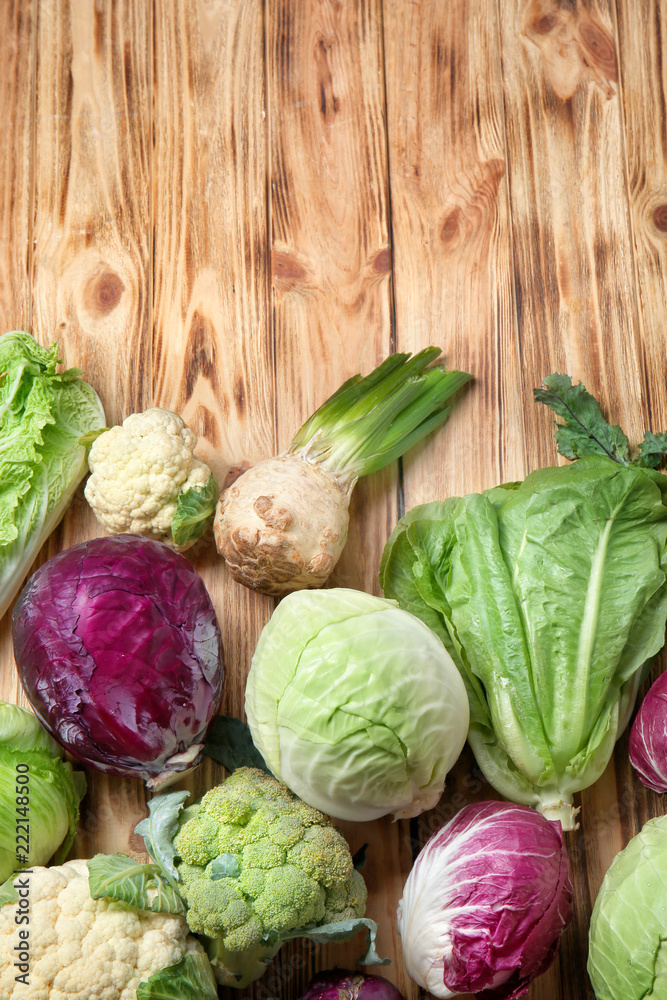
[[393, 321], [156, 377], [157, 322], [638, 317], [512, 246], [32, 179], [143, 795], [269, 305], [393, 331], [150, 145]]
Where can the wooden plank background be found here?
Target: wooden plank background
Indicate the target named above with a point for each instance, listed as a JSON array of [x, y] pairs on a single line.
[[226, 207]]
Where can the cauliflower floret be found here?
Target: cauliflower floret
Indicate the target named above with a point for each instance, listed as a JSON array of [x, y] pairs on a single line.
[[82, 948], [290, 869], [138, 471]]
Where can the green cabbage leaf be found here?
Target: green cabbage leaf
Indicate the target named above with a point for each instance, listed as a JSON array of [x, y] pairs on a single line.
[[39, 794], [627, 954]]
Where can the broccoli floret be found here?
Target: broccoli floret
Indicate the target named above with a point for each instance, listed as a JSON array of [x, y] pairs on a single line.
[[323, 854], [290, 899], [343, 901], [286, 868], [213, 906], [264, 854], [252, 882], [200, 846], [285, 831]]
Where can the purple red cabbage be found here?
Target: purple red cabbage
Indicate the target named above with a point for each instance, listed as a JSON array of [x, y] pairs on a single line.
[[343, 984], [119, 651]]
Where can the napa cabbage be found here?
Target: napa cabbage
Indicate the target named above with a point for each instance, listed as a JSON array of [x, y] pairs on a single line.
[[47, 420]]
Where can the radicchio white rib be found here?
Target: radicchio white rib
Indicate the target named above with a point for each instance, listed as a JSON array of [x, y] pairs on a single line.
[[486, 902], [648, 737], [119, 651]]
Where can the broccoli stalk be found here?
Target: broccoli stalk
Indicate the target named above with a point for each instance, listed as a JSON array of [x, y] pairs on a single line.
[[240, 968]]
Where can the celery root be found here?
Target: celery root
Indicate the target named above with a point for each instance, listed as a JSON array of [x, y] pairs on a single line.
[[282, 525]]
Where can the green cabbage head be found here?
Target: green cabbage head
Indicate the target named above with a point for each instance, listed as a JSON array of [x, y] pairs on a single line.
[[627, 956], [355, 704], [39, 794]]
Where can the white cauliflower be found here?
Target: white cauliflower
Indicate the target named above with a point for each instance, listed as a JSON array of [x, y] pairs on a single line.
[[140, 469], [81, 948]]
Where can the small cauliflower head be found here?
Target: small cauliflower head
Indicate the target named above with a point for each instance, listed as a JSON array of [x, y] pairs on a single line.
[[82, 948], [287, 867], [138, 471]]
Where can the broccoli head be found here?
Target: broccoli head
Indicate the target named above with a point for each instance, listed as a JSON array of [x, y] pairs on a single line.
[[255, 863]]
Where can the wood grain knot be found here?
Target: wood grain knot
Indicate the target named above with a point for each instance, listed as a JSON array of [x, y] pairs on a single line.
[[382, 261], [239, 393], [102, 292], [286, 269], [660, 218], [329, 103], [463, 221], [600, 46], [451, 227], [574, 46], [544, 24]]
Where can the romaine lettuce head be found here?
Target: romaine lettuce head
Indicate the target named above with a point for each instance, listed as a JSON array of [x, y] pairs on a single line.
[[355, 705], [39, 794], [627, 955], [551, 597]]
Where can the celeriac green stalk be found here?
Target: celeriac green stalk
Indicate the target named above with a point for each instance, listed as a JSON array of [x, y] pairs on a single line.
[[370, 422]]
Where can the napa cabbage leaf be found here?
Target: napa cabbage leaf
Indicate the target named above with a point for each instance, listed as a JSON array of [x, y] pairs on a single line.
[[43, 416]]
